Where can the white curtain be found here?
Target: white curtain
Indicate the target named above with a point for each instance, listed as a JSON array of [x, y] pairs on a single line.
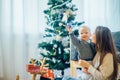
[[20, 32], [22, 24], [99, 12]]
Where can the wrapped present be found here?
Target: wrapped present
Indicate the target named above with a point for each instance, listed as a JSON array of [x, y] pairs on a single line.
[[49, 73], [35, 69], [32, 68]]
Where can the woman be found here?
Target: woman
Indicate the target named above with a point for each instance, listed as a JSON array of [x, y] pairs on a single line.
[[105, 66]]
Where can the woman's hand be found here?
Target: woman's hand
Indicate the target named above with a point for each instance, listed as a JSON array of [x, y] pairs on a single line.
[[84, 64], [85, 70]]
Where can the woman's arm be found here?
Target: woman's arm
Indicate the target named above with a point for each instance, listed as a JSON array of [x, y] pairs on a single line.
[[105, 69]]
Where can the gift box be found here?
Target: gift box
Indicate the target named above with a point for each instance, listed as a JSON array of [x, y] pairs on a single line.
[[33, 68], [36, 69], [49, 73]]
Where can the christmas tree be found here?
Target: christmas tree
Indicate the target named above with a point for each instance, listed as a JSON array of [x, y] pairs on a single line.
[[57, 48]]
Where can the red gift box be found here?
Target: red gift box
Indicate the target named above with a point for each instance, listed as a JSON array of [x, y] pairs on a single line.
[[35, 69], [32, 68], [49, 73]]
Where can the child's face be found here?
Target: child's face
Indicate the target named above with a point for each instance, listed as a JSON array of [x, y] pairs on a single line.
[[84, 34]]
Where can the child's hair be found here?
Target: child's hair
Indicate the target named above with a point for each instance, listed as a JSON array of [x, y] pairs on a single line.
[[84, 26]]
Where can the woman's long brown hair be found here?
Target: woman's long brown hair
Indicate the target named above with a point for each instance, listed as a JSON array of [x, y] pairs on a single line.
[[105, 44]]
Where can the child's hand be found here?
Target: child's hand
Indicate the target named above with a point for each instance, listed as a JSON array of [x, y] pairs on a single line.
[[84, 64], [69, 29], [85, 70]]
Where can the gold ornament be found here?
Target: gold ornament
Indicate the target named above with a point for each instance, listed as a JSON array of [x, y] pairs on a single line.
[[58, 38]]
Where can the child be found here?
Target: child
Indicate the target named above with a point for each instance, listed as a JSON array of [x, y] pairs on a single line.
[[84, 46]]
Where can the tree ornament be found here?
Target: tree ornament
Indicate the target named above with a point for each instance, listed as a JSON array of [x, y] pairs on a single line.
[[69, 5], [66, 15], [65, 42], [58, 38], [53, 11], [54, 60], [59, 50], [60, 24], [67, 50], [61, 4], [44, 51], [55, 46], [53, 54]]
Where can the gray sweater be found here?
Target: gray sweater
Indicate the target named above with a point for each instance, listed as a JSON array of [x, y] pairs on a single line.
[[81, 48]]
